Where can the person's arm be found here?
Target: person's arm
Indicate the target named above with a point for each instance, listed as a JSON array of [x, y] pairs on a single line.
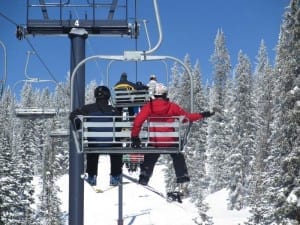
[[137, 124], [139, 120], [191, 116], [75, 113]]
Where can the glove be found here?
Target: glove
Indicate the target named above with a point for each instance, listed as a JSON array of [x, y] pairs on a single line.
[[135, 142], [72, 116], [207, 114]]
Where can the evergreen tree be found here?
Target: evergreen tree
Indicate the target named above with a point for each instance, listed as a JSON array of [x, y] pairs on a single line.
[[89, 92], [284, 159], [28, 152], [174, 84], [263, 87], [217, 148], [49, 208], [185, 87], [9, 186], [24, 158], [196, 156], [61, 125], [42, 128], [185, 102], [241, 156], [196, 153], [179, 91]]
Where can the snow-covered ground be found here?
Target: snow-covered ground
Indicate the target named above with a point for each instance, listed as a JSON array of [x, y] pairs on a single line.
[[143, 207]]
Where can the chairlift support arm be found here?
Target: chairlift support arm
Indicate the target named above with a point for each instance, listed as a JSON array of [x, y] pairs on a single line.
[[112, 9], [160, 34], [44, 10]]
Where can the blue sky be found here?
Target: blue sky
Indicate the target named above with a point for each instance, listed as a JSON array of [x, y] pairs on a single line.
[[189, 27]]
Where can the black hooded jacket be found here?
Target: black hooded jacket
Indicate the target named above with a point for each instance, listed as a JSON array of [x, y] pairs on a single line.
[[99, 108]]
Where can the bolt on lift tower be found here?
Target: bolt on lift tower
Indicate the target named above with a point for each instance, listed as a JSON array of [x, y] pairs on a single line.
[[92, 17]]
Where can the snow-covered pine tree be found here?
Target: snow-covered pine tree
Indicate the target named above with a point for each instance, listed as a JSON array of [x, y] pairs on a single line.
[[43, 99], [62, 95], [284, 159], [196, 154], [228, 124], [8, 177], [174, 84], [24, 160], [185, 103], [89, 92], [61, 123], [49, 207], [185, 87], [262, 94], [22, 141], [217, 148], [241, 155], [194, 136]]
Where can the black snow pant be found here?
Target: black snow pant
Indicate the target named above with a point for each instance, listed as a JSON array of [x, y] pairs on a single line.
[[116, 164], [178, 163]]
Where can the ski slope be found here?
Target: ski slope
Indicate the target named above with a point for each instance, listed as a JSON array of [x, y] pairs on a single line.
[[143, 207]]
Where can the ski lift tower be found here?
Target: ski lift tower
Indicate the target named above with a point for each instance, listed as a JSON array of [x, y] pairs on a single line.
[[77, 21]]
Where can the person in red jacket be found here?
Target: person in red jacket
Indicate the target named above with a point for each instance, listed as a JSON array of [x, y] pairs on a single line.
[[160, 106]]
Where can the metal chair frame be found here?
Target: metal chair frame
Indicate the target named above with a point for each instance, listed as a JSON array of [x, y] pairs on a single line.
[[118, 139]]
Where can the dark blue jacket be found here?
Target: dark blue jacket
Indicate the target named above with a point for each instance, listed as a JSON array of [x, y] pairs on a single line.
[[99, 108]]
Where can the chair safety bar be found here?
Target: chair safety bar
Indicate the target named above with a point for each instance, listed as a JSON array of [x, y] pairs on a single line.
[[106, 134], [127, 98]]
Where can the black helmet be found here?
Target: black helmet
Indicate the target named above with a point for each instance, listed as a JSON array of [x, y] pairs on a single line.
[[102, 92]]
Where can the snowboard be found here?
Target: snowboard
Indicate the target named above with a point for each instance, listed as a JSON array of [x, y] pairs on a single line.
[[170, 197]]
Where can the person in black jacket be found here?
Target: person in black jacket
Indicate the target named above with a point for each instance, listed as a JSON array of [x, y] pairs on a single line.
[[100, 108], [124, 80], [125, 85]]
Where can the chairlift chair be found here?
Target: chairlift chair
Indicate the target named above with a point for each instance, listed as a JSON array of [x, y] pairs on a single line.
[[82, 136], [35, 112], [130, 98], [32, 113], [118, 139], [59, 133]]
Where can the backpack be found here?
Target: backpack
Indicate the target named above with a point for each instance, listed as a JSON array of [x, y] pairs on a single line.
[[124, 87], [141, 86]]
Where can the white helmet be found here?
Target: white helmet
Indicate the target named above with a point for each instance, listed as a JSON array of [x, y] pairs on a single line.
[[152, 77], [160, 90]]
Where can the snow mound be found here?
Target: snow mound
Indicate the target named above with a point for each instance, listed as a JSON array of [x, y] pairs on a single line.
[[143, 207]]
